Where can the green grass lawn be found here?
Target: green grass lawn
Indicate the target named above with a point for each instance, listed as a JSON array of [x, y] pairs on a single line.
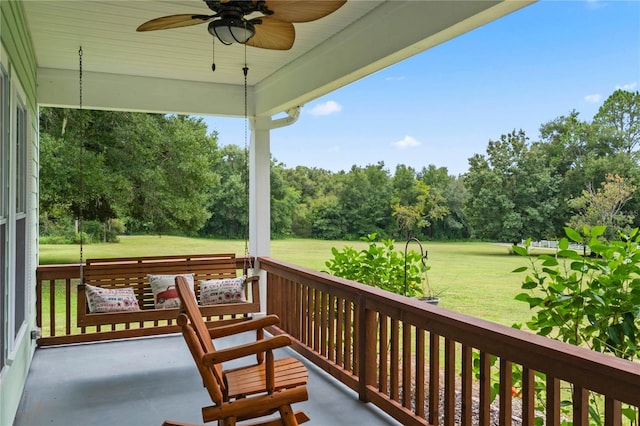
[[474, 278]]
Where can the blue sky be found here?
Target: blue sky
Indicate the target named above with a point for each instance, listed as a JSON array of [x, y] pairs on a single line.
[[444, 105]]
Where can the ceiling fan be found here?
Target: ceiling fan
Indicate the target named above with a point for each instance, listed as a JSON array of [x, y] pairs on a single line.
[[271, 28]]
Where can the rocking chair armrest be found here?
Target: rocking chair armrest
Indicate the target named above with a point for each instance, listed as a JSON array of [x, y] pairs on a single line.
[[247, 349], [241, 327], [252, 278]]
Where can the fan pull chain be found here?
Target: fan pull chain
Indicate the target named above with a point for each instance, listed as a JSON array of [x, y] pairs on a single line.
[[213, 54], [80, 207]]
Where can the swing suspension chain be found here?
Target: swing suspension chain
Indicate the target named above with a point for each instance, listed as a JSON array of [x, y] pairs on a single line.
[[80, 204], [245, 71]]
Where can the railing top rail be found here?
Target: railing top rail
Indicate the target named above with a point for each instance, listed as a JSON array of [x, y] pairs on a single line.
[[616, 377], [58, 272], [159, 259]]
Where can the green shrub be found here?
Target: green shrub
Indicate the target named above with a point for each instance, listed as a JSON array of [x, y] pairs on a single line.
[[81, 237], [590, 300], [379, 265], [55, 239], [587, 300]]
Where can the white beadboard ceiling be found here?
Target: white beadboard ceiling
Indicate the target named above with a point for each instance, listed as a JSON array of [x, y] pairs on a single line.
[[170, 70]]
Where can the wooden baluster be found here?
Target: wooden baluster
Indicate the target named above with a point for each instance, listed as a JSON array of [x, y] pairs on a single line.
[[316, 320], [332, 328], [420, 365], [506, 401], [406, 365], [449, 382], [580, 406], [395, 359], [340, 334], [298, 320], [528, 397], [317, 295], [485, 389], [434, 379], [52, 307], [383, 381], [323, 325], [356, 332], [348, 330], [309, 334], [467, 383], [39, 302], [67, 308], [612, 412], [553, 401]]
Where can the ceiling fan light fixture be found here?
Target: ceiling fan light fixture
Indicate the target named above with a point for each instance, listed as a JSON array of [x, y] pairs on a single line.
[[232, 30]]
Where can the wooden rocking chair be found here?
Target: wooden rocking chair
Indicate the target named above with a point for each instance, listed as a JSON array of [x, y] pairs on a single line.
[[247, 392]]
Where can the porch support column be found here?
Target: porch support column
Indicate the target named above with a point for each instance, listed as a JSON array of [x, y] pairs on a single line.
[[260, 191]]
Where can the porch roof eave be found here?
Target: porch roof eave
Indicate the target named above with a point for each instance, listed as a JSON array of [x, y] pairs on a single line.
[[388, 34]]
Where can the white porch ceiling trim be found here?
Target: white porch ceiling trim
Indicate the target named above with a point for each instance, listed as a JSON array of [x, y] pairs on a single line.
[[60, 88]]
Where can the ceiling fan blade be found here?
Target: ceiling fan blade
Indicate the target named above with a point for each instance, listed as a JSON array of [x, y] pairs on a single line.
[[174, 21], [273, 34], [303, 10]]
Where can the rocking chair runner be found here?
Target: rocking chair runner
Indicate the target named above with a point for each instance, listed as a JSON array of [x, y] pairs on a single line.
[[248, 392]]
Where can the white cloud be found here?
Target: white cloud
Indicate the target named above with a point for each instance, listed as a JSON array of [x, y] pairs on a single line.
[[334, 148], [593, 99], [630, 87], [406, 142], [398, 78], [595, 4], [326, 108]]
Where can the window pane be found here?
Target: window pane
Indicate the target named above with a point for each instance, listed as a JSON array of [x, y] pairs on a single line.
[[21, 159], [4, 144], [19, 290], [21, 274], [4, 201]]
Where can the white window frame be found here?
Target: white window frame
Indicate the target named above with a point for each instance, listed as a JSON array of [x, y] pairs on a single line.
[[4, 207], [17, 97]]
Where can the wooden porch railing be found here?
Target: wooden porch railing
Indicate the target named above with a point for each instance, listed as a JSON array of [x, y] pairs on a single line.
[[416, 361], [56, 309]]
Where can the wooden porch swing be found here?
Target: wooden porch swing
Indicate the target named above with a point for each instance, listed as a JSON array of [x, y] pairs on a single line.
[[120, 290]]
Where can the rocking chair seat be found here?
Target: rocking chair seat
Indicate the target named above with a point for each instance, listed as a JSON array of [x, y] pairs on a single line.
[[243, 381]]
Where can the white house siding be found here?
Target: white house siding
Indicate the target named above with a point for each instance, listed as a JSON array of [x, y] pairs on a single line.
[[17, 293]]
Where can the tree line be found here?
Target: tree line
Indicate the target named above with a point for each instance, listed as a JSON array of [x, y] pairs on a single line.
[[150, 173]]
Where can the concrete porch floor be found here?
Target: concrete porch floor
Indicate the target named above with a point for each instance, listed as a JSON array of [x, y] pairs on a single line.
[[145, 381]]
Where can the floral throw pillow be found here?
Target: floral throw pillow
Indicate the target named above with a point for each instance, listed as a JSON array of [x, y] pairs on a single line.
[[165, 294], [111, 299], [226, 290]]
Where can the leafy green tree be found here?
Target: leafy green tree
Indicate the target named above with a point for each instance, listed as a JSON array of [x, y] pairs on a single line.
[[312, 184], [452, 193], [229, 199], [582, 153], [512, 191], [284, 202], [365, 200], [618, 121], [603, 206], [152, 169], [178, 186], [329, 221], [408, 202]]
